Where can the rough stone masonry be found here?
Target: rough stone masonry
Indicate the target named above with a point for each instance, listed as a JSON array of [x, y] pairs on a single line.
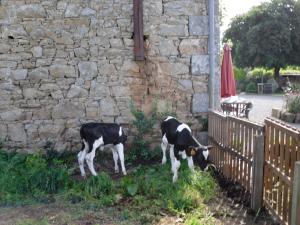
[[65, 62]]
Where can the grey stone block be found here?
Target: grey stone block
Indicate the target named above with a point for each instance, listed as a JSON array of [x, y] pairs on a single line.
[[20, 74], [16, 132], [276, 113], [200, 103], [187, 84], [173, 30], [200, 64], [198, 25]]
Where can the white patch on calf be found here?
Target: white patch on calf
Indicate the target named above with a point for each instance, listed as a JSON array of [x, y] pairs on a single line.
[[183, 126], [120, 132], [183, 154], [164, 145], [165, 140], [81, 156], [120, 149], [98, 142], [168, 118], [205, 154]]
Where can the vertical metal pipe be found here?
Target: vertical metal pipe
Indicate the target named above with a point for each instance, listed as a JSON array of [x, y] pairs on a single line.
[[211, 22]]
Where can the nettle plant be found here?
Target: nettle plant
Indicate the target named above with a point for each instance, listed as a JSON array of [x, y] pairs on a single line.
[[143, 124], [140, 150], [292, 95]]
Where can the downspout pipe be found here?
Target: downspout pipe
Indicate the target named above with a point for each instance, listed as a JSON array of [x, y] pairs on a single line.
[[211, 49]]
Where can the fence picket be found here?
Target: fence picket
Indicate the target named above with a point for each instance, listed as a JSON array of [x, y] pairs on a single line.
[[235, 149]]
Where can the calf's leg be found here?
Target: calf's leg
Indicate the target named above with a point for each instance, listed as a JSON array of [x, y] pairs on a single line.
[[116, 157], [164, 145], [81, 156], [91, 155], [175, 164], [120, 150], [190, 163]]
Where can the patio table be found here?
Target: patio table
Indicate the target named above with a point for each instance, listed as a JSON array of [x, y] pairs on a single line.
[[238, 109]]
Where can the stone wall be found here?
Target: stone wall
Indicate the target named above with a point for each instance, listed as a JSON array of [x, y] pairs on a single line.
[[65, 62]]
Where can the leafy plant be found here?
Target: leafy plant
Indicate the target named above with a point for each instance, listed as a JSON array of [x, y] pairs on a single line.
[[148, 189], [23, 176], [293, 103], [141, 122], [204, 122], [140, 148], [239, 73], [251, 87]]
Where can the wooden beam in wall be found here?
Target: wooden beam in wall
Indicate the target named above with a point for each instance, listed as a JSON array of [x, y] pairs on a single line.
[[138, 36]]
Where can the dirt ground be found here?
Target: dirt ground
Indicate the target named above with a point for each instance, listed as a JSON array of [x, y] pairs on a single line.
[[225, 211], [231, 207]]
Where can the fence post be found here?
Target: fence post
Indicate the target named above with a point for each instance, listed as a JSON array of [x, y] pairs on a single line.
[[258, 172], [295, 216]]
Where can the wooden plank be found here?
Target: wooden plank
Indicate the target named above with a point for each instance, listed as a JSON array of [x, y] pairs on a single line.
[[276, 147], [238, 149], [250, 166], [285, 202], [295, 213], [282, 150], [287, 157], [246, 154], [293, 155], [280, 202], [279, 173], [283, 126], [271, 210], [246, 122], [258, 173], [138, 30], [298, 149]]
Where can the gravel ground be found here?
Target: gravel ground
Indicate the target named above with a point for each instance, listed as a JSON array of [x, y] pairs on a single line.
[[262, 106]]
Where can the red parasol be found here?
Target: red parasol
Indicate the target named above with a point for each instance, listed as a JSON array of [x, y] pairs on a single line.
[[227, 75]]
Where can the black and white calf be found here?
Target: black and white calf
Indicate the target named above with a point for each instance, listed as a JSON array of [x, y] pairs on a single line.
[[95, 135], [178, 135]]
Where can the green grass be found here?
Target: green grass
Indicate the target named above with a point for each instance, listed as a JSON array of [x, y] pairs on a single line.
[[143, 194]]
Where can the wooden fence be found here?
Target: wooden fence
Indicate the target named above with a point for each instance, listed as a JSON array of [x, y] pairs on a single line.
[[233, 140], [261, 159], [281, 153]]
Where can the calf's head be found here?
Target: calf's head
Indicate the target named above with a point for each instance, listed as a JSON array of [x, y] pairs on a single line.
[[200, 156]]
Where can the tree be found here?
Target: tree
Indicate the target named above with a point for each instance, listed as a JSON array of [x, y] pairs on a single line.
[[265, 36], [295, 56]]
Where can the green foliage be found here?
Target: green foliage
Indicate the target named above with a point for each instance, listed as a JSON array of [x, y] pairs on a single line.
[[140, 150], [251, 87], [259, 73], [29, 178], [293, 103], [265, 36], [188, 193], [148, 189], [290, 70], [23, 176], [141, 122], [239, 73]]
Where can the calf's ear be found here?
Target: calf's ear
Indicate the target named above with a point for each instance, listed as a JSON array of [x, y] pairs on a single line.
[[209, 147]]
